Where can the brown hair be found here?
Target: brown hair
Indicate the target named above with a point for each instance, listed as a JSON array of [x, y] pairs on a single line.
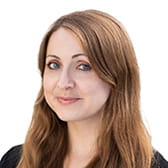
[[124, 141]]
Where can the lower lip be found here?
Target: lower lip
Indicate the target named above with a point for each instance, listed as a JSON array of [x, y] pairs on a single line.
[[67, 101]]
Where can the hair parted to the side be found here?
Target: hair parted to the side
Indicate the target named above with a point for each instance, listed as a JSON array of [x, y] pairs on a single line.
[[124, 141]]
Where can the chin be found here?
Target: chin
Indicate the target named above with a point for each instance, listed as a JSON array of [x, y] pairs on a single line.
[[70, 118]]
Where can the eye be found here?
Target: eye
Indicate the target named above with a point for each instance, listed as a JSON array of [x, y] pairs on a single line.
[[84, 67], [53, 65]]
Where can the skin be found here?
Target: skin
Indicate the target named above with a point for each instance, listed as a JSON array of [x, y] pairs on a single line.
[[76, 94]]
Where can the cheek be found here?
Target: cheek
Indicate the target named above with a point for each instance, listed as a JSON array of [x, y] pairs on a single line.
[[85, 86], [48, 83], [95, 88]]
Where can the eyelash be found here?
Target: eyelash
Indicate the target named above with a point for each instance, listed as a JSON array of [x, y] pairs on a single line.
[[86, 65], [58, 66], [50, 63]]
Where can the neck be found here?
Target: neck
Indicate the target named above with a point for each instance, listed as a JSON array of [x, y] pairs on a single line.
[[83, 138]]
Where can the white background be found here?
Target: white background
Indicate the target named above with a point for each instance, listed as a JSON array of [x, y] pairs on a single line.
[[22, 26]]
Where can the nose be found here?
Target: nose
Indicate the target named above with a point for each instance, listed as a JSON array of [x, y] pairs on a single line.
[[65, 80]]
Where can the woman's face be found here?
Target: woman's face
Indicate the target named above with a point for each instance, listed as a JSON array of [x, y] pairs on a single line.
[[71, 87]]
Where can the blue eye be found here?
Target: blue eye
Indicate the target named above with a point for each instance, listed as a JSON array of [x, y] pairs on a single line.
[[85, 67], [53, 65]]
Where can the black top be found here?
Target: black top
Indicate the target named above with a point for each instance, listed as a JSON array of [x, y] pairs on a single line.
[[11, 159]]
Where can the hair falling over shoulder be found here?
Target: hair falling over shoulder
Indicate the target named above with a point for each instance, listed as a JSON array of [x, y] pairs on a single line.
[[124, 141]]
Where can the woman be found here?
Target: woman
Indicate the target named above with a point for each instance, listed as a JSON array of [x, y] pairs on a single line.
[[87, 112]]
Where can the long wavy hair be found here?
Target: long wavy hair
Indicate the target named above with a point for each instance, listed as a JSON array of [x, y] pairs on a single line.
[[124, 142]]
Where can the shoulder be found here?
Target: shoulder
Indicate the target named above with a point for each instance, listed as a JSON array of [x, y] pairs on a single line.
[[11, 157], [159, 161]]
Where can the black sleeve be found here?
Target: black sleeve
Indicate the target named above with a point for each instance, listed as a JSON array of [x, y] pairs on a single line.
[[11, 158], [163, 162], [159, 161]]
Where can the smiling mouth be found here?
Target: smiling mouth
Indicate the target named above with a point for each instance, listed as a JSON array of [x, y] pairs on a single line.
[[67, 101]]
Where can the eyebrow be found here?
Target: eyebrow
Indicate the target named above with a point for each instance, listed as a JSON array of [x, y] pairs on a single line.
[[73, 56]]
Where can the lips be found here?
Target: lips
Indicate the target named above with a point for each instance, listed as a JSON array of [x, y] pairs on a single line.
[[67, 100]]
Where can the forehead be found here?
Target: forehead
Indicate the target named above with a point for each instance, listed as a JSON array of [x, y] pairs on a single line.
[[63, 41]]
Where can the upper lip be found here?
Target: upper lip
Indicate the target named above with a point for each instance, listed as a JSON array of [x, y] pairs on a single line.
[[68, 98]]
